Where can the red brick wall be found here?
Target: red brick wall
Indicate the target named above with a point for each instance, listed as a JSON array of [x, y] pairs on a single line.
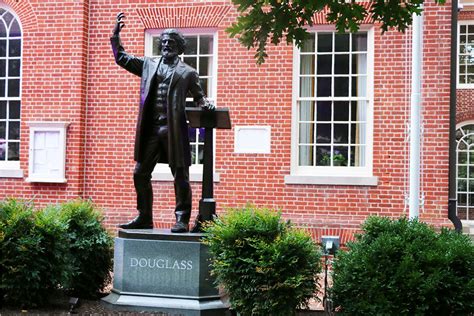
[[102, 108], [53, 88]]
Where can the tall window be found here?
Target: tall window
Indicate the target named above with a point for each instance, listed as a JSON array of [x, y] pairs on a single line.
[[332, 101], [465, 171], [10, 82], [199, 54], [466, 54]]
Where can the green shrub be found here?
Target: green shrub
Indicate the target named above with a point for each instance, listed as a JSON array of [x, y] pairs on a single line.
[[402, 267], [91, 248], [266, 266], [34, 254]]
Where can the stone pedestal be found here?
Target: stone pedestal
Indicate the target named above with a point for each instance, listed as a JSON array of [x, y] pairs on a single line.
[[155, 270]]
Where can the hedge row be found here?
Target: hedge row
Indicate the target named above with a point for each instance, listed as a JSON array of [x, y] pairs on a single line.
[[59, 247]]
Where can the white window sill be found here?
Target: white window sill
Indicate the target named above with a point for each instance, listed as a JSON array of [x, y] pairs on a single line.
[[331, 180], [193, 176], [46, 180], [11, 173]]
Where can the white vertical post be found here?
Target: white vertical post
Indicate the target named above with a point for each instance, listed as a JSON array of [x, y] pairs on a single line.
[[415, 113]]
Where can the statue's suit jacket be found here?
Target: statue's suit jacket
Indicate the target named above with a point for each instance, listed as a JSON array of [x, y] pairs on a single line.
[[184, 79]]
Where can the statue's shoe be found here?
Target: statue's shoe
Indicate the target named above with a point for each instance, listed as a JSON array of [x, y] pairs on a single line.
[[180, 227], [138, 222]]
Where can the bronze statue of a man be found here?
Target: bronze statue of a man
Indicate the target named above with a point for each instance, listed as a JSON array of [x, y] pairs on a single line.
[[162, 129]]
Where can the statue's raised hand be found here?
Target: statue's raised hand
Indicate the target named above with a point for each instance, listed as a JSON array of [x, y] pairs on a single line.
[[119, 24]]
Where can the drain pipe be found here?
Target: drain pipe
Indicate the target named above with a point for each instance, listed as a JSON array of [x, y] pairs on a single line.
[[452, 203], [415, 115]]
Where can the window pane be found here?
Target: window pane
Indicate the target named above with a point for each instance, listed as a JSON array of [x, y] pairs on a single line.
[[205, 85], [204, 66], [359, 64], [3, 68], [15, 29], [307, 65], [324, 111], [359, 42], [306, 111], [358, 134], [462, 185], [155, 42], [2, 130], [471, 171], [8, 17], [341, 65], [14, 130], [14, 110], [324, 42], [462, 79], [462, 199], [3, 110], [200, 155], [463, 29], [324, 87], [359, 86], [3, 48], [192, 135], [14, 151], [3, 30], [356, 156], [323, 156], [191, 45], [306, 87], [324, 64], [14, 87], [341, 111], [2, 88], [342, 42], [191, 61], [14, 49], [308, 45], [323, 133], [462, 171], [470, 29], [305, 155], [3, 150], [193, 154], [340, 156], [13, 67], [306, 133], [341, 86], [341, 134], [462, 157], [205, 46], [202, 134]]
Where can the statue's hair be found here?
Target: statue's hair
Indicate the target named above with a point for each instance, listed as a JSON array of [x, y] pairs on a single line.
[[177, 36]]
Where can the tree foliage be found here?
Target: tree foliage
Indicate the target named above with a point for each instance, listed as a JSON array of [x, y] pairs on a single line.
[[262, 20]]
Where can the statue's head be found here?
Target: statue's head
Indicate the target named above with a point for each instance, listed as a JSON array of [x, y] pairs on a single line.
[[171, 43]]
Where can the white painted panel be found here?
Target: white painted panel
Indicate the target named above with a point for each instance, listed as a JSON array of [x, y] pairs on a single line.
[[252, 139]]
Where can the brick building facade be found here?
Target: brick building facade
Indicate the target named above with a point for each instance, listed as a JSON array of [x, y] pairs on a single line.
[[329, 120]]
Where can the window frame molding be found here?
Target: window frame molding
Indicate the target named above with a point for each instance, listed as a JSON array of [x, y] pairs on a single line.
[[59, 127], [162, 171], [458, 42], [12, 169], [458, 126], [338, 175]]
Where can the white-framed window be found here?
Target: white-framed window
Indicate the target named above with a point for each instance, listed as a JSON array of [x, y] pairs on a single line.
[[465, 170], [47, 159], [465, 60], [332, 108], [10, 91], [201, 54]]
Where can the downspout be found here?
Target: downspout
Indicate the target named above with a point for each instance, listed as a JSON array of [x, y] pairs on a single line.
[[452, 203], [415, 116]]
